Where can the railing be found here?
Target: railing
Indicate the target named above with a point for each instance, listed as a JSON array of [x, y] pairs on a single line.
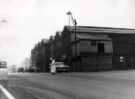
[[4, 94]]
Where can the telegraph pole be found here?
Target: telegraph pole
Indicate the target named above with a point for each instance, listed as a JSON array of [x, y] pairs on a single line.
[[75, 42]]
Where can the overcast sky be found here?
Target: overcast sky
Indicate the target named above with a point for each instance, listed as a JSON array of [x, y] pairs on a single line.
[[28, 21]]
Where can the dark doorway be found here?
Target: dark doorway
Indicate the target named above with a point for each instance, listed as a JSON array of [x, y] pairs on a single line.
[[101, 47]]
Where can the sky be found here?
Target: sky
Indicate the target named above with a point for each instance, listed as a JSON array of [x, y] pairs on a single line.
[[29, 21]]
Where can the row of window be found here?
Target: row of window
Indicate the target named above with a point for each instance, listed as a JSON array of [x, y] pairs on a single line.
[[99, 45]]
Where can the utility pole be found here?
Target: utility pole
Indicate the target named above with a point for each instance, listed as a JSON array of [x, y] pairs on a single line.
[[75, 42]]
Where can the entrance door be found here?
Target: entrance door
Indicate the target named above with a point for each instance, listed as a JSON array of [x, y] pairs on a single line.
[[101, 47], [131, 62]]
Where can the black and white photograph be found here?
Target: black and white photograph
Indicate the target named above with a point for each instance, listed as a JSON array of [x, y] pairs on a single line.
[[67, 49]]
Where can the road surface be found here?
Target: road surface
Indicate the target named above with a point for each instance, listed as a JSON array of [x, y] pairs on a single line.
[[94, 85]]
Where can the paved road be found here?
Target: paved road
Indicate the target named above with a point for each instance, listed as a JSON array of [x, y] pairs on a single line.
[[95, 85]]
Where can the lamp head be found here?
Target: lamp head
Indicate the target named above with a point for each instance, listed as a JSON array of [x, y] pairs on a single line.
[[68, 13], [3, 20]]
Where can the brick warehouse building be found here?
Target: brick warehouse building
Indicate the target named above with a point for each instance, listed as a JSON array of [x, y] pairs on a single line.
[[98, 48], [39, 54]]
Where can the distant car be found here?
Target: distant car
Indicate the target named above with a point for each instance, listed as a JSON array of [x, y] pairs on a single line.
[[61, 67], [33, 70], [20, 69], [3, 73]]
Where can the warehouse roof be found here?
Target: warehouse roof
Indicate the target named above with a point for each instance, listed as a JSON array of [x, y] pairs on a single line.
[[57, 35], [100, 29], [44, 40], [93, 37], [51, 39], [84, 36]]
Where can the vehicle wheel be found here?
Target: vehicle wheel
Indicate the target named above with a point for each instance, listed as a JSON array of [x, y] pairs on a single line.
[[53, 73], [66, 71]]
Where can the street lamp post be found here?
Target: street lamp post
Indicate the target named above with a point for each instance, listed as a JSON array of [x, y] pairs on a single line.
[[74, 23], [75, 45], [69, 13]]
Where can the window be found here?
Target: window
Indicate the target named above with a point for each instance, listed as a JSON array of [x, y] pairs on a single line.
[[101, 47], [93, 43], [85, 43]]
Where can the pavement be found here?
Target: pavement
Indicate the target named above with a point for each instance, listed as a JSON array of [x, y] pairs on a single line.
[[90, 85]]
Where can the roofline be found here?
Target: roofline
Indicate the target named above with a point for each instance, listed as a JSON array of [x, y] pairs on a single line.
[[123, 28]]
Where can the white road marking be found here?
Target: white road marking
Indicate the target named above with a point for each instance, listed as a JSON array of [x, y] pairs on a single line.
[[6, 93]]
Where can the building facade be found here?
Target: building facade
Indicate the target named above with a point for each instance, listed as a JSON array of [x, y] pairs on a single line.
[[99, 48], [90, 48]]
